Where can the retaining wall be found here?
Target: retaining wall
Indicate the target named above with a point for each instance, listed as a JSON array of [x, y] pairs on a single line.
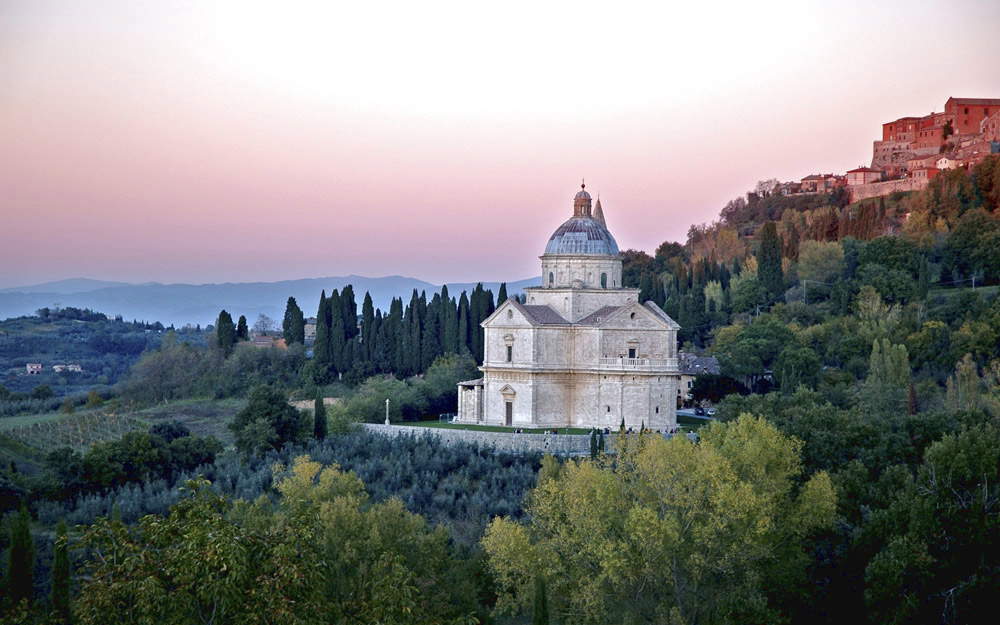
[[555, 444], [876, 189]]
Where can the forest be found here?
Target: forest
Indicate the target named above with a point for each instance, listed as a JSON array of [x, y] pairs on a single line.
[[852, 472]]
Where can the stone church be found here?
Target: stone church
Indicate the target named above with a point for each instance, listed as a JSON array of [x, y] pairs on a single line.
[[582, 350]]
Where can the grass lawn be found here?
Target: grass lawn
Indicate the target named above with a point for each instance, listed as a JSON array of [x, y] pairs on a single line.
[[692, 422], [487, 428]]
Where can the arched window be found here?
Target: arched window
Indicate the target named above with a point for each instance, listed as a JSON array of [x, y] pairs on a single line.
[[552, 279], [510, 314], [604, 280]]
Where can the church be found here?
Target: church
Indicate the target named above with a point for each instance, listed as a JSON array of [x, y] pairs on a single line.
[[582, 350]]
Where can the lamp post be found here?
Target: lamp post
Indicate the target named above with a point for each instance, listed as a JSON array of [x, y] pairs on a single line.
[[387, 411]]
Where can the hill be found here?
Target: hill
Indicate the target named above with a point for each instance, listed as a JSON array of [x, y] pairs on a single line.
[[180, 304], [65, 287], [104, 349]]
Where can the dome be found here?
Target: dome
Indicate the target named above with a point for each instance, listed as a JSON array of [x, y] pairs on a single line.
[[582, 195], [582, 235]]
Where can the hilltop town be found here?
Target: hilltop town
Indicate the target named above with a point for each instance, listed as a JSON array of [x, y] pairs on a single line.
[[913, 150]]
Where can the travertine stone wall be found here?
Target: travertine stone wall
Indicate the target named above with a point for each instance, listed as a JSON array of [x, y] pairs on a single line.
[[586, 270], [574, 304], [556, 444]]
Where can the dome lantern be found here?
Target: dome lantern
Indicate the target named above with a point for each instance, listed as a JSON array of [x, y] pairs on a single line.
[[581, 203]]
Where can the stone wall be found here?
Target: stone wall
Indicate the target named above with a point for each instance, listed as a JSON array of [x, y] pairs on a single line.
[[876, 189], [556, 444]]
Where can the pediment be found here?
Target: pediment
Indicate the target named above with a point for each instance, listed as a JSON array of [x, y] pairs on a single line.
[[508, 314], [640, 317]]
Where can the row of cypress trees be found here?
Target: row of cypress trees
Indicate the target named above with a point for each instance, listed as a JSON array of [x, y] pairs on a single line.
[[403, 341], [20, 580]]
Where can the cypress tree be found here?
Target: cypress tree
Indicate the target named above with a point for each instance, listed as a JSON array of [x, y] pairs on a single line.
[[61, 575], [418, 312], [293, 326], [923, 278], [449, 320], [600, 442], [337, 332], [349, 309], [431, 347], [462, 335], [502, 294], [319, 418], [393, 335], [380, 355], [242, 329], [321, 346], [540, 613], [225, 332], [593, 443], [367, 327], [769, 262], [21, 557]]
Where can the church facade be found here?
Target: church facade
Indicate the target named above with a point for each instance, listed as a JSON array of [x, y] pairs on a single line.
[[581, 351]]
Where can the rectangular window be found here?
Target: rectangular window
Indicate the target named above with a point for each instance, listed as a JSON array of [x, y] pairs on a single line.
[[510, 353]]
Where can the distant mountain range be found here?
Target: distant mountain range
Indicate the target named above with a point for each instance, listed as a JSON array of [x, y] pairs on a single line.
[[180, 304]]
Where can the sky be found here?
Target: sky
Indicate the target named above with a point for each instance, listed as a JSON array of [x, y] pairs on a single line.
[[256, 141]]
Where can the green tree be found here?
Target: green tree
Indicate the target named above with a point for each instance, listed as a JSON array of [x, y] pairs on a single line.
[[94, 399], [267, 422], [936, 559], [42, 391], [668, 532], [319, 417], [242, 329], [225, 332], [540, 611], [820, 261], [797, 365], [322, 355], [769, 270], [886, 388], [322, 553], [293, 325], [21, 558], [502, 294], [61, 576]]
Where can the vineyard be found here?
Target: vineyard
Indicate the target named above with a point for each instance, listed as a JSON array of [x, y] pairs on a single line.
[[76, 431]]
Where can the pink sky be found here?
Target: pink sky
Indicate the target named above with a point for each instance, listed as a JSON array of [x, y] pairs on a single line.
[[236, 141]]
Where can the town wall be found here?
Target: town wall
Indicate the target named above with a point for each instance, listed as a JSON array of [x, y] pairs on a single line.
[[876, 189]]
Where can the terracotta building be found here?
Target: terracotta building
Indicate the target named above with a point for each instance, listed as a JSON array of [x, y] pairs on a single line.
[[968, 113], [863, 175]]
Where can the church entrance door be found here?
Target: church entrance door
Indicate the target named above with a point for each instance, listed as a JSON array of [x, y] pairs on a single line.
[[509, 412]]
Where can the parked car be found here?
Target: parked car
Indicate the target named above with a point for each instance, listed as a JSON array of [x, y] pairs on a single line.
[[699, 411], [711, 412]]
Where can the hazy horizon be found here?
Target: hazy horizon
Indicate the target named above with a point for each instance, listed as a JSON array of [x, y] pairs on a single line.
[[210, 142], [9, 287]]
